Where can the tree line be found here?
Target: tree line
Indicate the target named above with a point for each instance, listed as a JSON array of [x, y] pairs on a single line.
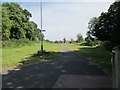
[[106, 27], [16, 23]]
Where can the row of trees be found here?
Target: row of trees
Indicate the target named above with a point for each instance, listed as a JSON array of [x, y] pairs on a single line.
[[78, 40], [16, 23], [106, 27]]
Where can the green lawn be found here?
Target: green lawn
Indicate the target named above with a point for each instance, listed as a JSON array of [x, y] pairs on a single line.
[[95, 54], [13, 56]]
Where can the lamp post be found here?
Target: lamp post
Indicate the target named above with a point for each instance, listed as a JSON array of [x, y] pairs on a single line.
[[41, 29], [41, 41]]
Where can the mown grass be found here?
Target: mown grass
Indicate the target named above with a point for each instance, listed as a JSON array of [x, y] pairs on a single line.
[[14, 56], [95, 54]]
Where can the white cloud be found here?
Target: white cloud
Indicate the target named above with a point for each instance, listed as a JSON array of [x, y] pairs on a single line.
[[66, 19]]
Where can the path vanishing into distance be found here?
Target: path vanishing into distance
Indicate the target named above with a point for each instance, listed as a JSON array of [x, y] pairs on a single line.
[[69, 71]]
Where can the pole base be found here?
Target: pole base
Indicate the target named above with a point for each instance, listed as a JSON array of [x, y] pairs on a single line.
[[39, 53]]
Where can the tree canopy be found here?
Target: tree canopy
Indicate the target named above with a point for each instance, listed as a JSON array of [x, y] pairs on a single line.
[[16, 23], [106, 27], [79, 38]]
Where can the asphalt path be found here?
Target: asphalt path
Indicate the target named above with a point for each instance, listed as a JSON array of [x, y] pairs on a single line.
[[68, 71]]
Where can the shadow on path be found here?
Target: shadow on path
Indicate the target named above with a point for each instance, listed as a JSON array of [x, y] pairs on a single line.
[[46, 74]]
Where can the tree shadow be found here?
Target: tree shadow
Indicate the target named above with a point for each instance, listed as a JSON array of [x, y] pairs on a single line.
[[97, 55], [44, 74]]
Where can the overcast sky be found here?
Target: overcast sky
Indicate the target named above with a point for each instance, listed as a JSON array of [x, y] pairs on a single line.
[[65, 19]]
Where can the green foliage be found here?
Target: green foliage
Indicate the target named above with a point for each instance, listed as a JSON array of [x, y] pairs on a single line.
[[49, 41], [79, 38], [6, 24], [89, 41], [16, 23], [73, 41], [14, 43], [92, 41], [64, 40], [92, 23], [108, 45], [108, 26]]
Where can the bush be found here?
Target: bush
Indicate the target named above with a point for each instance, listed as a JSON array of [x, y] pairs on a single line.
[[108, 45], [89, 43], [5, 43], [17, 43], [49, 41]]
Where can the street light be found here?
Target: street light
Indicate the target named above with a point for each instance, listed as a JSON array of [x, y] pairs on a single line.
[[41, 29], [42, 40]]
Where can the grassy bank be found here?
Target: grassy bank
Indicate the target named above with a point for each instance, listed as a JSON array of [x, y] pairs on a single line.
[[14, 56], [95, 54]]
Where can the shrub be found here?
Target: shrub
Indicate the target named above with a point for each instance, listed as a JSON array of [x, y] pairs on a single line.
[[108, 45], [17, 43]]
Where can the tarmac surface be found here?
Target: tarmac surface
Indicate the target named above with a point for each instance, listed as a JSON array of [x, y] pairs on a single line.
[[69, 71]]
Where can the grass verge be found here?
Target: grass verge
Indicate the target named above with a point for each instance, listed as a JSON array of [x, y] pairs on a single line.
[[18, 55], [95, 54]]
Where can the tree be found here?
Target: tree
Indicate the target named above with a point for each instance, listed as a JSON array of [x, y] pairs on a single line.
[[79, 38], [27, 14], [16, 23], [108, 27], [89, 41], [91, 25], [64, 40], [6, 24]]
